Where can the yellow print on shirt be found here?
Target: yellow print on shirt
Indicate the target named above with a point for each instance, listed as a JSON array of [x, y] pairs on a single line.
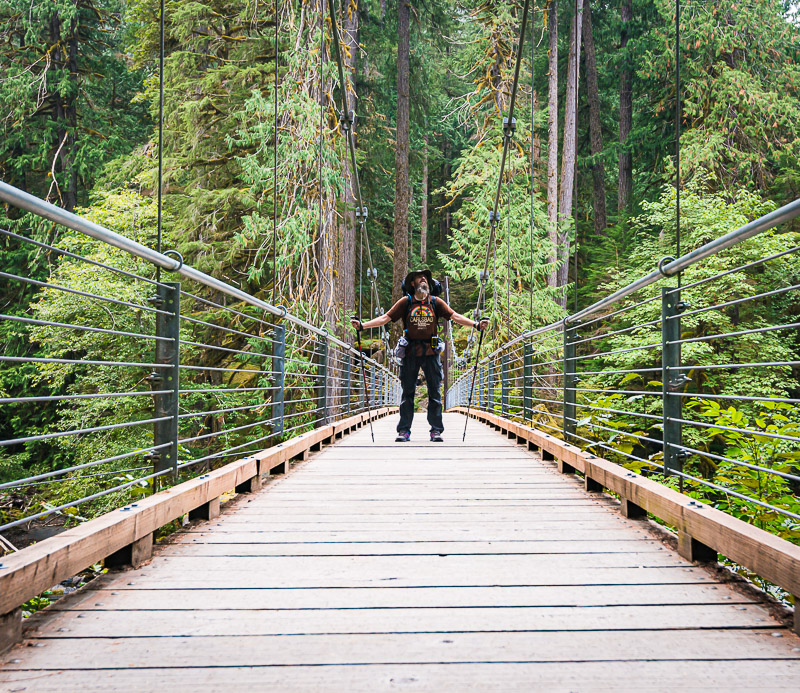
[[422, 317]]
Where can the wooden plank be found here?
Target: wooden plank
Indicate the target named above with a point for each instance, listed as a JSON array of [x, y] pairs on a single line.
[[210, 622], [463, 647], [443, 598], [442, 677]]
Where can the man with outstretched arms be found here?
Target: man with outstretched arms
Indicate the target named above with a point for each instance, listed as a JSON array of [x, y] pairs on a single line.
[[420, 312]]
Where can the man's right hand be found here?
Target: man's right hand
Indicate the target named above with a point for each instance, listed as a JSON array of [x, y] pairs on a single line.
[[356, 324]]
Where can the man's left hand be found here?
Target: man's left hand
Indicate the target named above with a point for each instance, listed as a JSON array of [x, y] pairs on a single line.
[[483, 324]]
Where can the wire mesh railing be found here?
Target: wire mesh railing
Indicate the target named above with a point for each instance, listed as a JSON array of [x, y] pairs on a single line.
[[117, 384], [688, 375]]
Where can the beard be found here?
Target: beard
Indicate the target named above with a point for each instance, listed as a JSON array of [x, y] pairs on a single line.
[[422, 291]]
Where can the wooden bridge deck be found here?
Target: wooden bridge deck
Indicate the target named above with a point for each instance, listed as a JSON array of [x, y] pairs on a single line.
[[420, 566]]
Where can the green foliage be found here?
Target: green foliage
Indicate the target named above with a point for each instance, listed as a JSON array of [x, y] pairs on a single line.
[[65, 95]]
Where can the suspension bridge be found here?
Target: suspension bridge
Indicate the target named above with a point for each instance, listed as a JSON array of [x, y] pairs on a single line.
[[317, 559], [262, 530]]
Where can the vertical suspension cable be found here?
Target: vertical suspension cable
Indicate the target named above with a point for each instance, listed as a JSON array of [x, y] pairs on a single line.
[[533, 56], [321, 110], [575, 163], [275, 172], [508, 256], [160, 132], [678, 132]]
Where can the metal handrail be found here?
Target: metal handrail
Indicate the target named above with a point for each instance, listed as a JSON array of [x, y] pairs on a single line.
[[30, 203], [764, 223]]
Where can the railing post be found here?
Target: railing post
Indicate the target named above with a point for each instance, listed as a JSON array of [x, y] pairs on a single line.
[[322, 381], [480, 389], [504, 384], [490, 386], [278, 377], [347, 382], [168, 301], [527, 382], [372, 389], [570, 383], [672, 379]]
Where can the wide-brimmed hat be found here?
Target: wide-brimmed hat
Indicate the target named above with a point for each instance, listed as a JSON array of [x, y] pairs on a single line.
[[411, 276]]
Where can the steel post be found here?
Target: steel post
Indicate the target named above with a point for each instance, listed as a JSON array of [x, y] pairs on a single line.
[[322, 382], [527, 382], [672, 379], [570, 382], [347, 382], [168, 301], [490, 386], [279, 377], [504, 385]]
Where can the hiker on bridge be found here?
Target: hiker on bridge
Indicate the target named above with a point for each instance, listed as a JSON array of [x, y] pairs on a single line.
[[419, 347]]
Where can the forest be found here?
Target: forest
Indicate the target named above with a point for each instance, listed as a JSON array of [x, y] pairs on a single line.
[[257, 187]]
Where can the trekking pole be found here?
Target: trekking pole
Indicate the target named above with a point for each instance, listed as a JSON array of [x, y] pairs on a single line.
[[364, 376], [472, 385]]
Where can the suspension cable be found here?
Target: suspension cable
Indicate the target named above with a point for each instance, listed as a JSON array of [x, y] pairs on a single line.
[[533, 86], [678, 132], [275, 169], [347, 119], [160, 132], [509, 126]]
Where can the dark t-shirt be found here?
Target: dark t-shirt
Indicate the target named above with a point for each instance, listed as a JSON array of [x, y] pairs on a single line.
[[421, 321]]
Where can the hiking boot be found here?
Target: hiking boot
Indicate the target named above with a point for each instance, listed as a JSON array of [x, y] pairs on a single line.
[[436, 436], [403, 437]]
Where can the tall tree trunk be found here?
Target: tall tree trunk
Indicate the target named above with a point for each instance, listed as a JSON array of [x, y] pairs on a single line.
[[423, 215], [570, 150], [345, 278], [595, 132], [625, 113], [65, 175], [552, 139], [327, 232], [400, 265]]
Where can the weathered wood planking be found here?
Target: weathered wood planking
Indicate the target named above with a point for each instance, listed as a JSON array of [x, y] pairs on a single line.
[[404, 566], [765, 554], [31, 571]]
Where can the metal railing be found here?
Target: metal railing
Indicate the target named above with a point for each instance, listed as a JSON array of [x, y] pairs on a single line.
[[137, 382], [694, 385]]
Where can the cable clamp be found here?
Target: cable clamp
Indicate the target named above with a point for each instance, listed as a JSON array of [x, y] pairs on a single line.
[[361, 214], [347, 119], [284, 309], [509, 128], [494, 217], [678, 382], [665, 261], [483, 276], [178, 257]]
